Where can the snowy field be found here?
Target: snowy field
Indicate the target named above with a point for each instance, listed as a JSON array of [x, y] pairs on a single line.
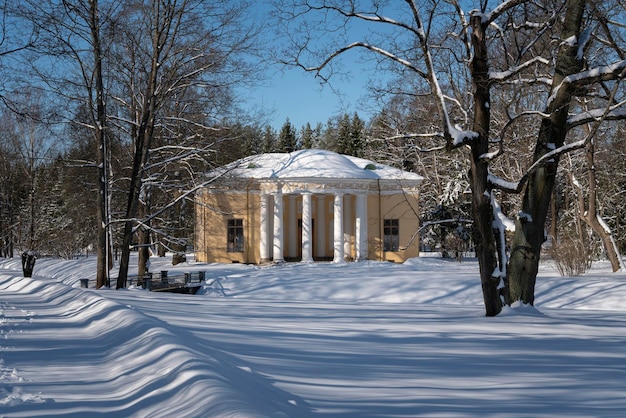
[[320, 340]]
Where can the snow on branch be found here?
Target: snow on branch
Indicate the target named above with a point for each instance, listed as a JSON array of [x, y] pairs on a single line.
[[369, 47], [460, 137], [505, 75], [598, 117], [516, 186], [557, 152], [615, 112], [488, 156], [503, 7], [610, 72], [504, 185]]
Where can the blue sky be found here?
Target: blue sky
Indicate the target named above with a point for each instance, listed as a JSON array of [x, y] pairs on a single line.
[[293, 93], [299, 96]]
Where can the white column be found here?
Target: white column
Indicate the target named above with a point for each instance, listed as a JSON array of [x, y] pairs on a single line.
[[338, 229], [278, 227], [320, 225], [307, 254], [361, 227], [263, 230], [292, 230], [348, 226]]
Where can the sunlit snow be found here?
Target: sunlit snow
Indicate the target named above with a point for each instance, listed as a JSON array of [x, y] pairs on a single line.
[[366, 339]]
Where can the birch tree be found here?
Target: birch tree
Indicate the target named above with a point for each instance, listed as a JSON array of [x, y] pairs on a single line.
[[555, 51]]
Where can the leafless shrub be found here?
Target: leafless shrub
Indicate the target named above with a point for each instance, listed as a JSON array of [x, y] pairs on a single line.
[[572, 256]]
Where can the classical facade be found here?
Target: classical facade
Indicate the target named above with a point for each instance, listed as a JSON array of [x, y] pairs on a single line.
[[308, 205]]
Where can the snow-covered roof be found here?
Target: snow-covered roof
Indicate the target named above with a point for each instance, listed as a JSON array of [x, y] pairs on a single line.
[[314, 164]]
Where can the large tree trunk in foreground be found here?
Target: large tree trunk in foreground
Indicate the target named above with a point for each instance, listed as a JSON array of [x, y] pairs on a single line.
[[483, 233], [530, 226]]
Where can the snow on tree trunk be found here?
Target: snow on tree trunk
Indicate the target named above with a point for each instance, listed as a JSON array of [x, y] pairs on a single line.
[[483, 231], [590, 213], [530, 228]]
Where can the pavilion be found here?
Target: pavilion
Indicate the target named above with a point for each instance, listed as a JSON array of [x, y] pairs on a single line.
[[308, 205]]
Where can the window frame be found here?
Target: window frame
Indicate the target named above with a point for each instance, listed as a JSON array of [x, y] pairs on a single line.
[[235, 231], [391, 235]]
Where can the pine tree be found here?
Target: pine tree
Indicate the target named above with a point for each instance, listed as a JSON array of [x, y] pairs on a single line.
[[269, 140], [343, 135], [287, 139], [307, 137], [357, 136]]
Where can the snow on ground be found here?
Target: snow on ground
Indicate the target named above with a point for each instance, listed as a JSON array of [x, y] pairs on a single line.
[[310, 340]]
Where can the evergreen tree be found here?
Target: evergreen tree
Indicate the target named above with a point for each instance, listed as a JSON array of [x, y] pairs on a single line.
[[287, 139], [342, 144], [307, 137], [268, 140], [328, 137], [357, 136]]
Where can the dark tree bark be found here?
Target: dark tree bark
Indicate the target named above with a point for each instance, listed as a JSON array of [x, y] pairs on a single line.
[[529, 232], [103, 253], [142, 148], [161, 31], [143, 235], [483, 233]]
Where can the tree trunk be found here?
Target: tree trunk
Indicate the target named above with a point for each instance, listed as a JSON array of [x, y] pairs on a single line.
[[599, 227], [483, 233], [554, 214], [141, 157], [592, 217], [104, 262], [145, 132], [144, 243], [530, 228]]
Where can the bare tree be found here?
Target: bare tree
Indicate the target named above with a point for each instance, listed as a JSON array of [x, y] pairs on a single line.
[[589, 211], [91, 15], [509, 45], [172, 53], [16, 36], [32, 142], [68, 61]]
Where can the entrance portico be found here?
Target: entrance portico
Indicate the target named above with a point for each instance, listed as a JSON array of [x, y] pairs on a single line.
[[300, 227]]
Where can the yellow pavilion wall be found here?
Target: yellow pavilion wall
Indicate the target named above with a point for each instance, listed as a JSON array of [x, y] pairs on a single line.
[[214, 208], [401, 206]]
